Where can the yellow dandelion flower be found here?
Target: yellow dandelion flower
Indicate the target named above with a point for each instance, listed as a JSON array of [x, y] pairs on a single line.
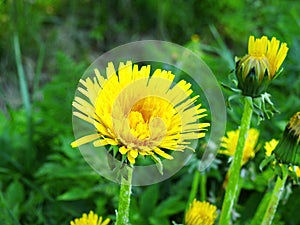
[[90, 219], [200, 213], [140, 113], [298, 171], [229, 143], [257, 68], [270, 146]]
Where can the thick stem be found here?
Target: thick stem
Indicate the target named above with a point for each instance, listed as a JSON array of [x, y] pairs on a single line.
[[124, 199], [235, 167], [275, 197]]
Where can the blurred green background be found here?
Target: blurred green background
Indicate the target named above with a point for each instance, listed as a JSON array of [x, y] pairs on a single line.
[[45, 48]]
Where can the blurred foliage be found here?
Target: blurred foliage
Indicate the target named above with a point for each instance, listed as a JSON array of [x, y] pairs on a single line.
[[44, 181]]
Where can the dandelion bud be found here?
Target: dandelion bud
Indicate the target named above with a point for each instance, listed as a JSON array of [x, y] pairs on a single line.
[[288, 149], [260, 66]]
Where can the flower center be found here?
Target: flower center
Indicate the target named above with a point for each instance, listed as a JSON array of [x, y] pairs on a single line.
[[150, 117]]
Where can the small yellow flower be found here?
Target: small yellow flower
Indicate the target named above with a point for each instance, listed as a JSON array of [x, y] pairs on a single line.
[[298, 171], [257, 68], [229, 143], [90, 219], [270, 146], [200, 213], [141, 114]]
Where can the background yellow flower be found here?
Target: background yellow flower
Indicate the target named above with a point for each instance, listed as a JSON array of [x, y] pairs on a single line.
[[200, 213], [90, 219], [229, 143]]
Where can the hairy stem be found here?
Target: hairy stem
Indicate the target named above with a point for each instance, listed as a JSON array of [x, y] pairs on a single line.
[[275, 197], [124, 199], [235, 168]]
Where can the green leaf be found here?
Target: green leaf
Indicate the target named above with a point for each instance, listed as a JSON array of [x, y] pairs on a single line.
[[76, 193], [6, 216], [148, 200], [159, 221], [14, 196], [169, 207], [266, 161]]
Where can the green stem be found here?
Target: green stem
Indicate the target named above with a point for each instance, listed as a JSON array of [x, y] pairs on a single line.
[[235, 167], [261, 209], [203, 187], [124, 199], [275, 197], [194, 188]]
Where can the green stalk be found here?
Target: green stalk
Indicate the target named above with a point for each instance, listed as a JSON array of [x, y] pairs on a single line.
[[194, 188], [261, 209], [275, 197], [235, 167], [203, 187], [124, 199]]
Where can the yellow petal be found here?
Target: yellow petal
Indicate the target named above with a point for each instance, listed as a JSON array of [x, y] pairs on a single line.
[[84, 140], [162, 153], [123, 150], [133, 153], [131, 159]]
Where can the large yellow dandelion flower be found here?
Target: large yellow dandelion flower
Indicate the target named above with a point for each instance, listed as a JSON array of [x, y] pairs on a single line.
[[140, 114], [229, 144], [90, 219], [200, 213], [257, 68]]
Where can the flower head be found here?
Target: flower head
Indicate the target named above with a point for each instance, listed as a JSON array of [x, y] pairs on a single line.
[[140, 114], [200, 213], [270, 146], [288, 149], [256, 69], [229, 143], [90, 219]]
